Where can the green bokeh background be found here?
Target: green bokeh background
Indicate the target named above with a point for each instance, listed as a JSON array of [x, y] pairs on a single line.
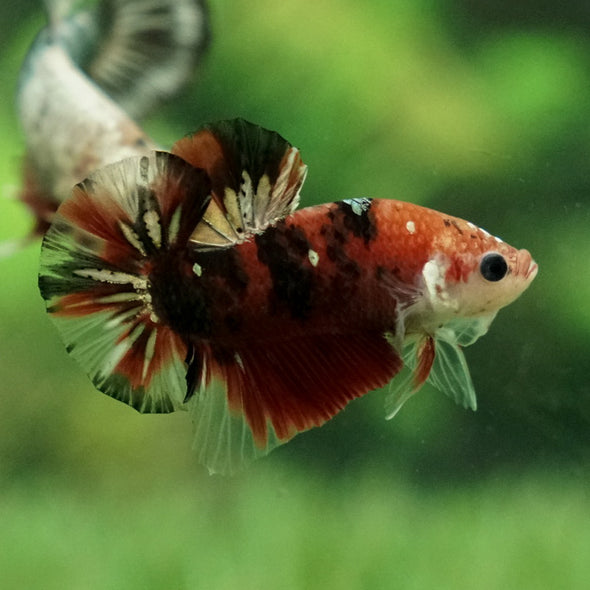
[[479, 109]]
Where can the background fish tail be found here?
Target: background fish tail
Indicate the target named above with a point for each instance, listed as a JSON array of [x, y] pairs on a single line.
[[89, 75], [139, 52], [148, 50]]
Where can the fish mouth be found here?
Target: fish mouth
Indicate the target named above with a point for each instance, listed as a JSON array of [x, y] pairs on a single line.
[[531, 273], [526, 266]]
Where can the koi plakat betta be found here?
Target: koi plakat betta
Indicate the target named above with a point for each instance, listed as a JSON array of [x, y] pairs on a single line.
[[189, 281]]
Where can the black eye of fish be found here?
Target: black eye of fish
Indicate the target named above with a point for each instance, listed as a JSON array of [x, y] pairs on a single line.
[[493, 267]]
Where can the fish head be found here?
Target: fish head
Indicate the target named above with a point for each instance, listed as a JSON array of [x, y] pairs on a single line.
[[471, 273]]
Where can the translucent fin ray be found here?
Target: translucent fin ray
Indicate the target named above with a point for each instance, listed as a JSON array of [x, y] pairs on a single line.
[[449, 372], [406, 384]]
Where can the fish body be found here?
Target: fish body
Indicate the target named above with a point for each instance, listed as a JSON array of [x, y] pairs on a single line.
[[88, 78], [188, 280]]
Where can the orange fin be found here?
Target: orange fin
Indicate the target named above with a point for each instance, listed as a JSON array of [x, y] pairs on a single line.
[[250, 399]]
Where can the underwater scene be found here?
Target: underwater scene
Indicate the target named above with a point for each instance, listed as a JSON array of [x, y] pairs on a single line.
[[252, 328]]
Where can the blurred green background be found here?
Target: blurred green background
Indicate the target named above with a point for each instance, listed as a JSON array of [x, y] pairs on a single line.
[[479, 109]]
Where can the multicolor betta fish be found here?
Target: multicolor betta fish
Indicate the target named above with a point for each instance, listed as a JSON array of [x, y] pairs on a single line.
[[188, 280], [86, 80]]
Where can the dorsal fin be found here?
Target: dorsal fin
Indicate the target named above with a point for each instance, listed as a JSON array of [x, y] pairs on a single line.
[[256, 176]]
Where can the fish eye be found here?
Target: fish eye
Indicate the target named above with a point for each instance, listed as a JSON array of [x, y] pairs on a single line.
[[493, 267]]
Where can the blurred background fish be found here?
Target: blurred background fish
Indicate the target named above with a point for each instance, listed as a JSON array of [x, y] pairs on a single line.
[[88, 79]]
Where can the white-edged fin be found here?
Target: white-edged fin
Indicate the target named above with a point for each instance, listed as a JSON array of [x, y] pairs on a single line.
[[104, 347], [256, 177], [223, 440]]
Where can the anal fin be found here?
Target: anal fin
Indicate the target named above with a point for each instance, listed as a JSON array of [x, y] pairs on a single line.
[[255, 397]]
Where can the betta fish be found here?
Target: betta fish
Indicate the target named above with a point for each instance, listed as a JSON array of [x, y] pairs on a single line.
[[189, 281], [87, 79]]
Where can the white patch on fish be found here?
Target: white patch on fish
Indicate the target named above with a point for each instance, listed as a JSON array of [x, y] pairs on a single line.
[[314, 257]]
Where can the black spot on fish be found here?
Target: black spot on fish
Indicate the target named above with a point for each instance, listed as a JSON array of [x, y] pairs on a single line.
[[347, 277], [178, 299], [456, 226], [333, 252], [233, 323], [225, 265], [194, 362], [447, 222], [284, 250], [348, 272], [357, 218]]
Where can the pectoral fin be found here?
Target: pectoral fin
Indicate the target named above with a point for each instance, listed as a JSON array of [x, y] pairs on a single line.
[[450, 374], [418, 356], [439, 361]]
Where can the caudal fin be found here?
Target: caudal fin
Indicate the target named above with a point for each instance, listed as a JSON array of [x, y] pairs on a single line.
[[145, 51], [95, 264], [100, 249]]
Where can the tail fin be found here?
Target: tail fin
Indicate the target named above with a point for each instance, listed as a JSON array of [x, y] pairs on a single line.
[[147, 50], [95, 264], [139, 52], [89, 75], [99, 250]]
